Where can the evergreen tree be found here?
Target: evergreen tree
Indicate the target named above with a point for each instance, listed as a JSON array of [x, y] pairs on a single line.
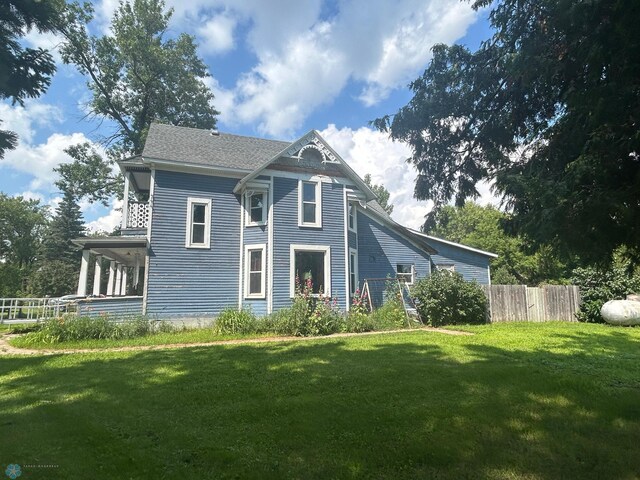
[[66, 225], [57, 273]]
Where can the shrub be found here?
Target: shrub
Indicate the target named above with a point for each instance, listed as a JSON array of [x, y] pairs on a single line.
[[72, 328], [389, 316], [232, 321], [598, 286], [445, 298]]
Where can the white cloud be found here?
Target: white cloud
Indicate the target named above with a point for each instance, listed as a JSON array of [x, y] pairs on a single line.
[[373, 152], [379, 43], [216, 35], [370, 151], [106, 223], [308, 52], [30, 157]]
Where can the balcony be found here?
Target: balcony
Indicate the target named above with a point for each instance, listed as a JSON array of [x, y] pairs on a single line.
[[137, 216]]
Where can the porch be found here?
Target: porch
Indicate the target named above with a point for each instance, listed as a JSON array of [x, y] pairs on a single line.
[[126, 261]]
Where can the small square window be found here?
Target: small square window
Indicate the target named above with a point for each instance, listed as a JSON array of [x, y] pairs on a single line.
[[405, 272]]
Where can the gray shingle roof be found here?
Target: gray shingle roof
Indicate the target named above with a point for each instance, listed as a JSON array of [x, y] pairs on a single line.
[[200, 147]]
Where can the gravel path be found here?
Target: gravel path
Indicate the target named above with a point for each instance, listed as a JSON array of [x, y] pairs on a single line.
[[6, 349]]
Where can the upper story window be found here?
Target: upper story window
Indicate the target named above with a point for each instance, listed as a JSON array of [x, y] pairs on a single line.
[[198, 223], [256, 206], [353, 219], [405, 272], [310, 204]]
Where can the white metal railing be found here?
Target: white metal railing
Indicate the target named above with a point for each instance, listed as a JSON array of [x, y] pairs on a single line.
[[137, 215], [27, 310]]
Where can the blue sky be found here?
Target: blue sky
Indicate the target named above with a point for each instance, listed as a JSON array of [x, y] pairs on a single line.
[[278, 69]]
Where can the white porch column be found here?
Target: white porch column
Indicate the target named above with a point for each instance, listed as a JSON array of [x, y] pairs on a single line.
[[116, 288], [97, 274], [112, 278], [123, 287], [136, 272], [125, 203], [84, 270]]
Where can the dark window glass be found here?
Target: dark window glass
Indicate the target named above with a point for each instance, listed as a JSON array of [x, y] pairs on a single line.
[[255, 207], [309, 192], [255, 283], [197, 234], [198, 213], [310, 265], [309, 213], [256, 260]]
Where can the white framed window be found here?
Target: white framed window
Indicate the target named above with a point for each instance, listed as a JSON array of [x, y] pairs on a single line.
[[449, 267], [256, 208], [198, 223], [310, 263], [353, 218], [353, 271], [254, 271], [405, 272], [310, 204]]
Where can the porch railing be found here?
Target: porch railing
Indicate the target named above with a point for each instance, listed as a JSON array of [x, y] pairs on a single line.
[[29, 310], [137, 215]]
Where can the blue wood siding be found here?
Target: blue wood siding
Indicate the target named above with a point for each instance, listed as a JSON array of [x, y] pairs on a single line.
[[193, 282], [286, 232], [116, 307], [380, 249], [258, 234], [353, 239], [472, 266]]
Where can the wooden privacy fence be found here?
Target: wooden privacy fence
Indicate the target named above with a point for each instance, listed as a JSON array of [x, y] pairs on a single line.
[[519, 303]]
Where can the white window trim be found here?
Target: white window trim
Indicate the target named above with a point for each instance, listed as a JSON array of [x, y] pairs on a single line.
[[318, 222], [352, 206], [447, 267], [247, 261], [413, 272], [247, 207], [353, 288], [292, 267], [207, 222]]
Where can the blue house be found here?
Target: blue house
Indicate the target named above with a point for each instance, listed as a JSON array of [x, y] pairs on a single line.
[[213, 220]]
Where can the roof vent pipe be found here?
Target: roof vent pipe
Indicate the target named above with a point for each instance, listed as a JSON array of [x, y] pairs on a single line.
[[215, 132]]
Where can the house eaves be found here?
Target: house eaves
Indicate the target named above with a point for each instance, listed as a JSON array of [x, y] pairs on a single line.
[[454, 244]]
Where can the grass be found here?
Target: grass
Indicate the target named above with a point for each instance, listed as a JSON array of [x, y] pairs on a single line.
[[534, 401], [192, 335]]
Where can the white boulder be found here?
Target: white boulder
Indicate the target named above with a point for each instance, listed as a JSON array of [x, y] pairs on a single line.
[[621, 312]]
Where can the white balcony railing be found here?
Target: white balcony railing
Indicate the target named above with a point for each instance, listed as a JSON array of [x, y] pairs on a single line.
[[137, 215]]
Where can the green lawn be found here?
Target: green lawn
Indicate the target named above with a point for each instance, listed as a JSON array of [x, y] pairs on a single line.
[[535, 401]]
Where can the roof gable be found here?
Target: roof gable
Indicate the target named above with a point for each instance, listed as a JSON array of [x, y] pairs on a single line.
[[297, 151]]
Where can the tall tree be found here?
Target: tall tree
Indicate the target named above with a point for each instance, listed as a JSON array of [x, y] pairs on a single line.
[[66, 225], [136, 75], [548, 109], [482, 227], [381, 192], [24, 72], [22, 223]]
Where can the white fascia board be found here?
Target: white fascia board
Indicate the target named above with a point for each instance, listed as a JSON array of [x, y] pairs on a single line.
[[183, 167], [457, 245]]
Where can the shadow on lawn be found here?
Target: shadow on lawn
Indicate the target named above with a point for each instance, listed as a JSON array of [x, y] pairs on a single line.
[[382, 408]]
